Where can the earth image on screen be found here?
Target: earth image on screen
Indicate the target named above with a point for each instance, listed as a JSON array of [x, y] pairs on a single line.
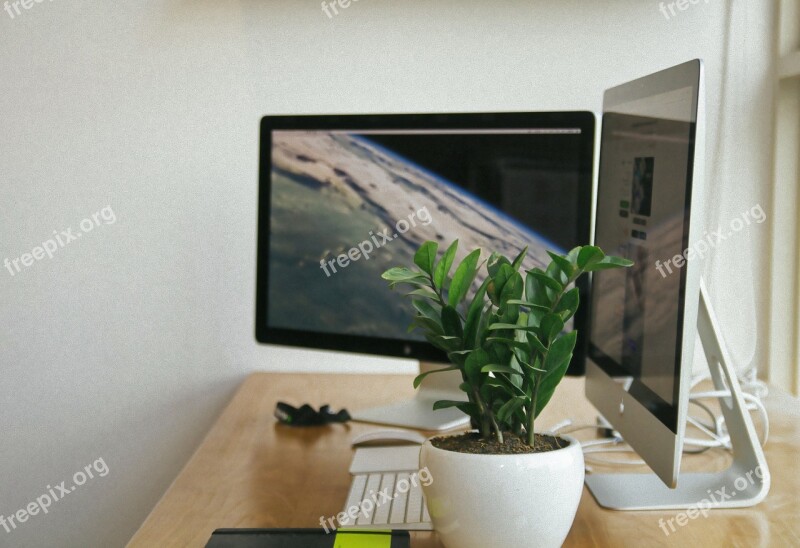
[[332, 191]]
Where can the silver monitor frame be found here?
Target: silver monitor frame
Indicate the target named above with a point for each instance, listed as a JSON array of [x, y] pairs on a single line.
[[660, 447]]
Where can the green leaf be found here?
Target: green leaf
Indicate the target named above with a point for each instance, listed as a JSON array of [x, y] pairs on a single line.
[[500, 279], [533, 369], [402, 274], [420, 282], [483, 322], [545, 280], [444, 342], [443, 268], [419, 378], [515, 327], [444, 404], [426, 309], [534, 341], [474, 316], [463, 277], [529, 304], [431, 326], [512, 289], [548, 385], [509, 407], [471, 410], [497, 368], [500, 386], [509, 342], [572, 256], [517, 262], [536, 292], [472, 367], [424, 293], [495, 262], [425, 256], [535, 317], [556, 273], [568, 304], [563, 263], [551, 326], [589, 255], [458, 357], [608, 262], [560, 350], [451, 322]]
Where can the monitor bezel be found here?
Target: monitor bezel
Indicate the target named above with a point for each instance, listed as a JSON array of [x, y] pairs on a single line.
[[420, 350]]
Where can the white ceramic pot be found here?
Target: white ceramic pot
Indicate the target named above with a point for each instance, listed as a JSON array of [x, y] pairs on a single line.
[[499, 501]]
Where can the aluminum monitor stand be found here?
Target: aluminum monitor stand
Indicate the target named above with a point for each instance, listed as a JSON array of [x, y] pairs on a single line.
[[745, 483], [418, 412]]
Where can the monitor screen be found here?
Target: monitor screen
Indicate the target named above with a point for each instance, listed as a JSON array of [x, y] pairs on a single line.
[[644, 190], [343, 198]]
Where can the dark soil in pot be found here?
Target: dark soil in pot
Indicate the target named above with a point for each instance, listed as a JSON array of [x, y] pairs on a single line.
[[472, 442]]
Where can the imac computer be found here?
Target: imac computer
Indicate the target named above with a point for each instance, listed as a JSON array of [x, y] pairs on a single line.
[[644, 320], [343, 198]]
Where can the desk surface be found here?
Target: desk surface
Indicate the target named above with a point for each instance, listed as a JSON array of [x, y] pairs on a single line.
[[251, 471]]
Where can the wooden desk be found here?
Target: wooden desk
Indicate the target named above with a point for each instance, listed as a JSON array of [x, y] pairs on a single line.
[[251, 471]]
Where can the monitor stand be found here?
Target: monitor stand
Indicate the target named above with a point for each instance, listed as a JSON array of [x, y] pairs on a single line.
[[418, 412], [745, 483]]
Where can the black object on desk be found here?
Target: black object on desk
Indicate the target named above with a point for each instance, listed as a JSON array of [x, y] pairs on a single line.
[[308, 538]]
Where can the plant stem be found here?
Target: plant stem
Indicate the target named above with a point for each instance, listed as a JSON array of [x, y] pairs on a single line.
[[437, 291], [532, 417], [482, 410], [498, 431]]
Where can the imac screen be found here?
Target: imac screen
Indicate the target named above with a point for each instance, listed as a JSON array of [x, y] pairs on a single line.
[[643, 189]]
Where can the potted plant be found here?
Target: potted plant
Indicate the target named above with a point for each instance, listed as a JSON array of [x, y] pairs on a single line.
[[502, 484]]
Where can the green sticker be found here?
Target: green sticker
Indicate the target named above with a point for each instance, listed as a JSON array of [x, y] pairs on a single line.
[[363, 539]]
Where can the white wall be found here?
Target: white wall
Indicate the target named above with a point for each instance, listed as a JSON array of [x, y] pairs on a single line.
[[128, 342]]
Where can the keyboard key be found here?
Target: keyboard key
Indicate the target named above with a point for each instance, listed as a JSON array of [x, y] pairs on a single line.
[[384, 506], [367, 509], [398, 513], [355, 496]]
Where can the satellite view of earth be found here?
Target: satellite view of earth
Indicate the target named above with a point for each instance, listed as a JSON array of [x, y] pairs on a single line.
[[332, 191]]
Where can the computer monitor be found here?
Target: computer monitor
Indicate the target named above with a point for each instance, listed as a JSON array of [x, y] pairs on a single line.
[[644, 320], [345, 197]]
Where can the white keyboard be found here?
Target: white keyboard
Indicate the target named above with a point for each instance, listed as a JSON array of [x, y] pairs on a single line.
[[387, 490]]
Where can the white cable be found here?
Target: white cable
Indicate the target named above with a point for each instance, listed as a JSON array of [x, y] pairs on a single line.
[[752, 391], [558, 426], [752, 402]]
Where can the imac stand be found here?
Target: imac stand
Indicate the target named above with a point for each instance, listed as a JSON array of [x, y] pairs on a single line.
[[418, 412], [745, 483]]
